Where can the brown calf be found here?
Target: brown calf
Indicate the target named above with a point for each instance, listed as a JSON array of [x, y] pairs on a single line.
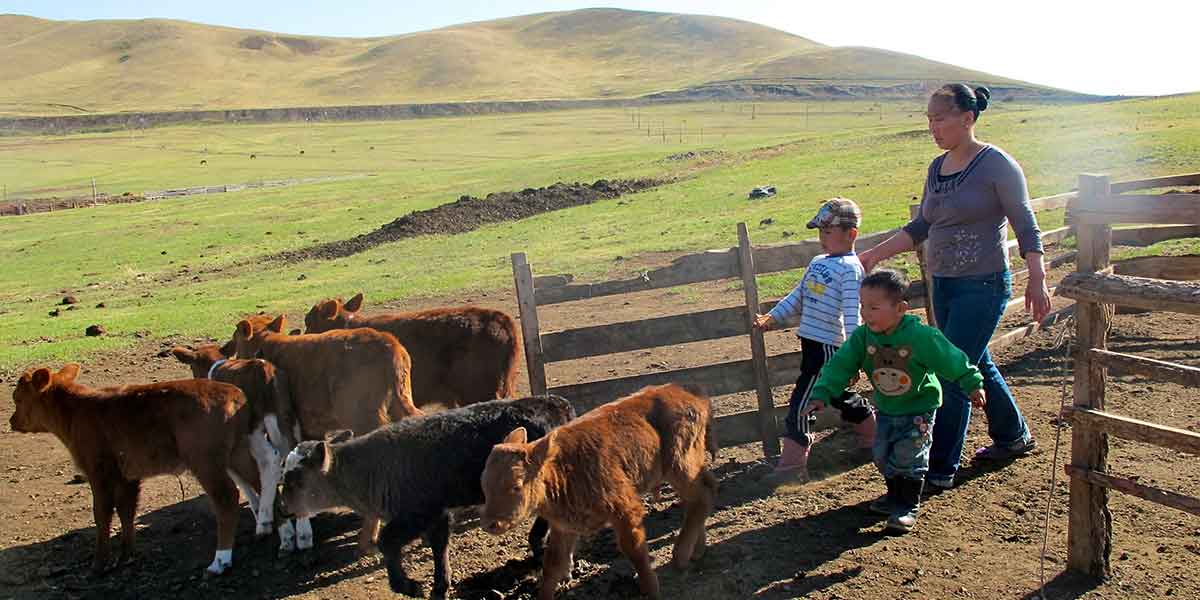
[[119, 436], [274, 428], [592, 472], [357, 379], [460, 355]]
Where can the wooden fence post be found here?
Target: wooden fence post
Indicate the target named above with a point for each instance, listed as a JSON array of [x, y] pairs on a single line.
[[926, 276], [535, 366], [768, 429], [1089, 535]]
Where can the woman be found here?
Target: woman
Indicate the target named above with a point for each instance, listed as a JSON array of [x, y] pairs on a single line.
[[972, 193]]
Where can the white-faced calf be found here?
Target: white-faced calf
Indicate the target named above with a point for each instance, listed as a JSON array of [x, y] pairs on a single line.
[[410, 474], [274, 430]]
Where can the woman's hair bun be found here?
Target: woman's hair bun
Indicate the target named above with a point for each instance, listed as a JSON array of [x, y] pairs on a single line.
[[982, 95]]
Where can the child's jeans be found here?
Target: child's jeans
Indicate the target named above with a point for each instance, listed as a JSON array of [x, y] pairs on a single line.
[[902, 444], [814, 355]]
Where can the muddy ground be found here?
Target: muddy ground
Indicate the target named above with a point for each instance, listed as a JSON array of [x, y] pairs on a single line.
[[816, 540]]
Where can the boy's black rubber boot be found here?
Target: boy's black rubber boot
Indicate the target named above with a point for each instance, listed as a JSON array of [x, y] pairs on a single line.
[[909, 502]]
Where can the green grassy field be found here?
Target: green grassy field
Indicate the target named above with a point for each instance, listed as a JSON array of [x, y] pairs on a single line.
[[133, 257]]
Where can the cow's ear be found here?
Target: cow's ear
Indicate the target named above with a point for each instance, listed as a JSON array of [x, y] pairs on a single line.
[[68, 373], [516, 436], [355, 303], [324, 455], [295, 332], [339, 436], [41, 380], [328, 308], [245, 329], [278, 324], [183, 355], [542, 449]]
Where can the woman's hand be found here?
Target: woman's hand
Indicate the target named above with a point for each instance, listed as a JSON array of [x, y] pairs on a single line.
[[1037, 299], [1037, 296], [868, 259], [901, 242]]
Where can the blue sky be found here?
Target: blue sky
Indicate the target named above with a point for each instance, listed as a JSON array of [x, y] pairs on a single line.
[[1124, 48]]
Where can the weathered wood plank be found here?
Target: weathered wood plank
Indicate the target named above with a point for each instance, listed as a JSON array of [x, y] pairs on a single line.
[[1150, 235], [716, 380], [1052, 202], [694, 268], [534, 364], [786, 257], [1176, 268], [1138, 292], [1089, 529], [1166, 209], [1012, 336], [1168, 498], [1148, 367], [767, 427], [599, 340], [1135, 430], [1185, 179]]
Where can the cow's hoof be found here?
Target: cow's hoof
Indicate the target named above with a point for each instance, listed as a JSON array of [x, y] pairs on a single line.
[[307, 559], [217, 569], [365, 550], [262, 530], [406, 586]]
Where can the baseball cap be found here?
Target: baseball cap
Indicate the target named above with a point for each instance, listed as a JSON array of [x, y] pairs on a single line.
[[838, 211]]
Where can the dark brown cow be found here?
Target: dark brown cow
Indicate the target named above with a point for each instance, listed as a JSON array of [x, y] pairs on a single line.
[[357, 379], [119, 436], [275, 428], [592, 472], [460, 355]]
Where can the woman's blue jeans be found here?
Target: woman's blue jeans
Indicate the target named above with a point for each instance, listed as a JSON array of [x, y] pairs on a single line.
[[967, 310]]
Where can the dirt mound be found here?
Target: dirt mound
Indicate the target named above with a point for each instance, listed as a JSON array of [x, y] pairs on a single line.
[[469, 213]]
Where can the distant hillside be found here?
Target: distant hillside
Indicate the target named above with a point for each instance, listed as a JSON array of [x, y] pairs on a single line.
[[71, 67]]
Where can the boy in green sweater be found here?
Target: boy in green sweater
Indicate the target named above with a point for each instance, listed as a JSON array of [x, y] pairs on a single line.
[[903, 359]]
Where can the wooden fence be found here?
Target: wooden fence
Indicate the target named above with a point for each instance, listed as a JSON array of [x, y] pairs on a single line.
[[760, 373], [1098, 206]]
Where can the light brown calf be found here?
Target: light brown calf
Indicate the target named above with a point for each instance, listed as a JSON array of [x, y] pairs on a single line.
[[592, 472], [119, 436], [460, 355], [357, 379]]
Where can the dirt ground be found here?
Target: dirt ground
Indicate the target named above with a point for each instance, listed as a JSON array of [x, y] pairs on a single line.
[[816, 540]]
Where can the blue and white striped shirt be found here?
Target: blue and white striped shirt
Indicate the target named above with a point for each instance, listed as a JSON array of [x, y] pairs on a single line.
[[826, 299]]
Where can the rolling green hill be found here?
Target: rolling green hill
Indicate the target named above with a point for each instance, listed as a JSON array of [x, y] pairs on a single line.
[[66, 67]]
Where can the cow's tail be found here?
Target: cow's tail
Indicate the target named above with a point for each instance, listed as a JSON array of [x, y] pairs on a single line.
[[285, 412], [508, 336], [402, 404]]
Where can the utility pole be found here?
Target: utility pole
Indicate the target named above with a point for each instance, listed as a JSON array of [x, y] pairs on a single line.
[[93, 191]]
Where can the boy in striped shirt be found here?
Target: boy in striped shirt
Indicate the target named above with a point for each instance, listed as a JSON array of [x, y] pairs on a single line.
[[826, 300]]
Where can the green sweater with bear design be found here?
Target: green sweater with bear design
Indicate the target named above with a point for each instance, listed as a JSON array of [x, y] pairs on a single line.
[[904, 367]]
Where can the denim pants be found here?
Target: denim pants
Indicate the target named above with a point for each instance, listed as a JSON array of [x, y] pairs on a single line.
[[902, 444], [967, 310]]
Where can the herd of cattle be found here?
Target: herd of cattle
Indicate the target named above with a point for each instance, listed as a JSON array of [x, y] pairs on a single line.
[[270, 408]]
